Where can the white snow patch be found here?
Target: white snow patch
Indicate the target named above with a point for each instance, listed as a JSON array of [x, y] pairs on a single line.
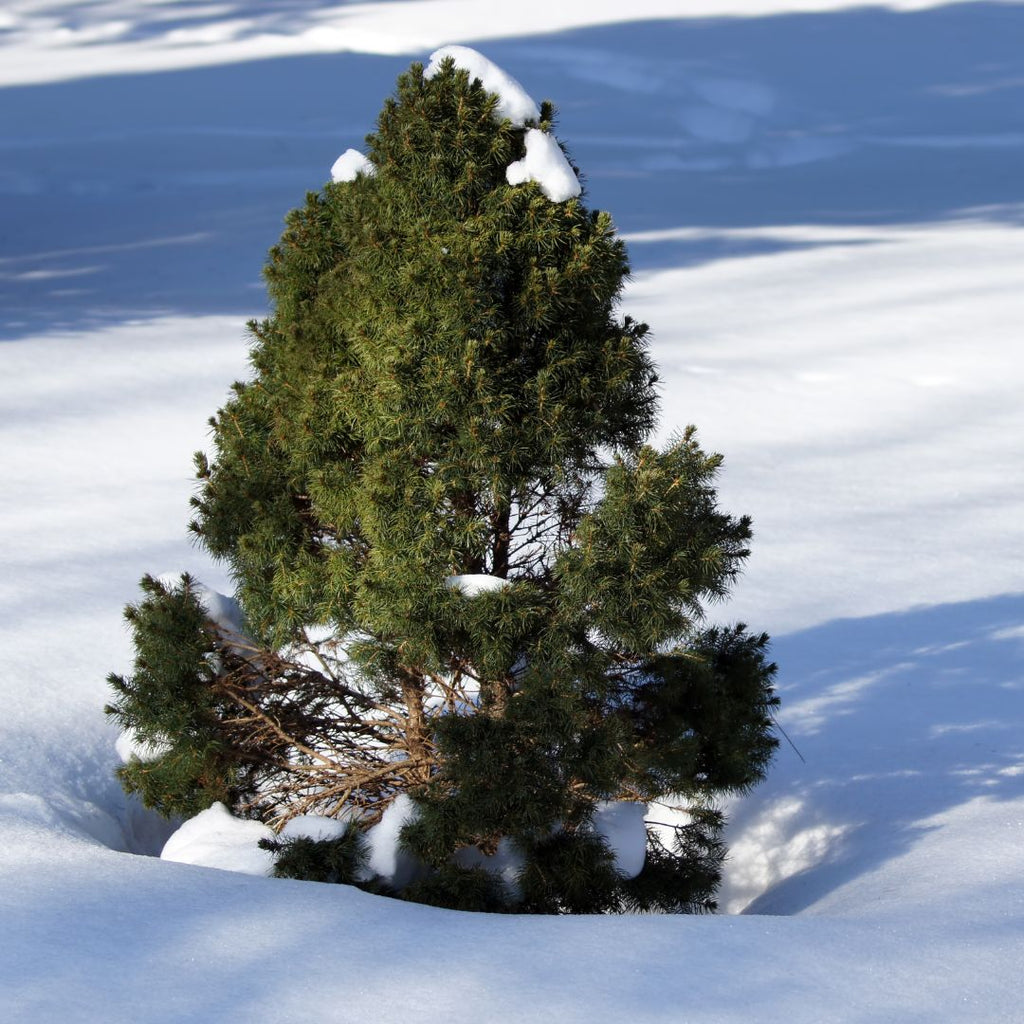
[[621, 824], [1009, 633], [545, 164], [130, 745], [314, 826], [474, 584], [225, 611], [783, 840], [514, 102], [75, 40], [385, 859], [214, 838], [350, 164]]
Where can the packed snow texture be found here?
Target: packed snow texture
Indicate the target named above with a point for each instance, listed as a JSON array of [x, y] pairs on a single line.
[[43, 42], [514, 102], [215, 838], [475, 583], [545, 163], [350, 164]]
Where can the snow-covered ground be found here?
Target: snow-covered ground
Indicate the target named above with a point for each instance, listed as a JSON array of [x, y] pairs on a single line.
[[825, 207]]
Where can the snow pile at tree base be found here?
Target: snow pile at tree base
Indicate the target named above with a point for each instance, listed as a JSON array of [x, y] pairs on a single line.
[[215, 838]]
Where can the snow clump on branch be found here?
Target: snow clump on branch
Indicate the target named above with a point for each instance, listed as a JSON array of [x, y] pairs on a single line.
[[349, 164], [545, 164], [474, 583]]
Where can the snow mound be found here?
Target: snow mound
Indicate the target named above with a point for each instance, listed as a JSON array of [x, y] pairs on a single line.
[[214, 838], [474, 584], [620, 823], [223, 611], [350, 164], [545, 164], [514, 102]]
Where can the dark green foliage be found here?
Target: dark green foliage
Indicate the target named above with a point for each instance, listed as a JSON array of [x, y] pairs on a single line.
[[172, 702], [683, 876], [570, 873], [445, 388], [458, 888], [336, 860], [701, 715]]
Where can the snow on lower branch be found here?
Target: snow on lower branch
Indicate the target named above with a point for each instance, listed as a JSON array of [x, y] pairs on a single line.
[[514, 102], [316, 827], [545, 164]]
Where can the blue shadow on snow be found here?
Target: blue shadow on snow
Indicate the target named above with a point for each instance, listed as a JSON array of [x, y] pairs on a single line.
[[139, 195], [900, 717]]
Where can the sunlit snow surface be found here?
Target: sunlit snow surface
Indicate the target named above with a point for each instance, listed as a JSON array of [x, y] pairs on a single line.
[[215, 838], [824, 215]]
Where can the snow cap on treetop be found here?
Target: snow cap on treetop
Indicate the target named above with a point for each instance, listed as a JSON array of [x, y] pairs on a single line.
[[514, 102]]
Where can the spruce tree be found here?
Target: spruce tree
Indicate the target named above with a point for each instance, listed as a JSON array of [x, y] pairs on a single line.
[[465, 574]]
